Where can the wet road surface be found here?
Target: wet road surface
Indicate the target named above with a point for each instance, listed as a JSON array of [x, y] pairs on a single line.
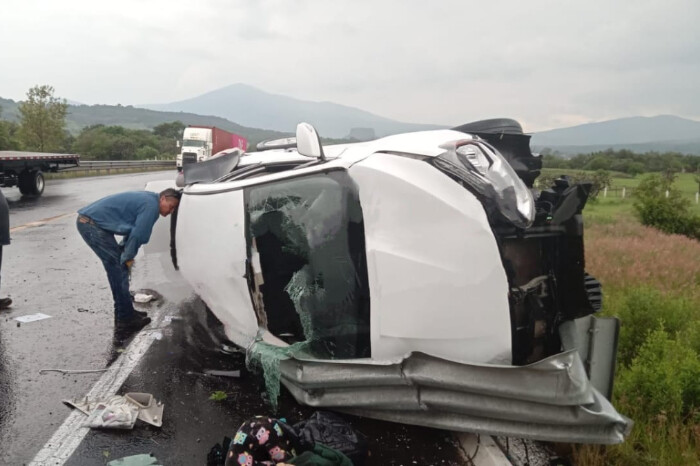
[[173, 371], [48, 269]]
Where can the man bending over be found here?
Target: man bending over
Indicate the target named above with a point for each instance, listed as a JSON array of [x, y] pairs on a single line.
[[132, 215]]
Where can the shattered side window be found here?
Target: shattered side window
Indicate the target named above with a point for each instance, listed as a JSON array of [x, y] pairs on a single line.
[[306, 250]]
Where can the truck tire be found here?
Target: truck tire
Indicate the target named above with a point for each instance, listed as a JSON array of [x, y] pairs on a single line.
[[31, 183]]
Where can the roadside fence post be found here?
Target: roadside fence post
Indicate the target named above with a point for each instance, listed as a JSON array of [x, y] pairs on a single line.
[[623, 193], [667, 194], [697, 197], [605, 192]]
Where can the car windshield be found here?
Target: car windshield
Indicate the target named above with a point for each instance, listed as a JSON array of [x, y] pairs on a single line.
[[193, 143]]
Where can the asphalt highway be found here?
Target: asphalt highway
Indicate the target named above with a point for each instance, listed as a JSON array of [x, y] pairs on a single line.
[[49, 270]]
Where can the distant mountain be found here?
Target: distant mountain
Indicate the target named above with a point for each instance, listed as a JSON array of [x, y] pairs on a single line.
[[141, 118], [689, 147], [664, 133], [80, 116], [253, 107], [8, 110], [639, 134]]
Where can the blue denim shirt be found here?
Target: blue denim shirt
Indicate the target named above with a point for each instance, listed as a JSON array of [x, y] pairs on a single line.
[[131, 214]]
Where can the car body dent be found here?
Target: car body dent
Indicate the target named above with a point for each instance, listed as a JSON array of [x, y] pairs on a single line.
[[425, 275], [218, 252]]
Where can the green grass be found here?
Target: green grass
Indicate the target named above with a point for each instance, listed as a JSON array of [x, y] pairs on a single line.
[[685, 182], [606, 209]]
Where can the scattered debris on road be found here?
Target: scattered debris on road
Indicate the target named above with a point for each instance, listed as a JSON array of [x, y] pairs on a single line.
[[120, 411], [218, 396], [72, 371], [222, 373], [143, 298], [136, 460], [32, 317]]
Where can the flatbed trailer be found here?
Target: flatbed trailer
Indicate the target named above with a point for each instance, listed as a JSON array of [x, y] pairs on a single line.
[[25, 169]]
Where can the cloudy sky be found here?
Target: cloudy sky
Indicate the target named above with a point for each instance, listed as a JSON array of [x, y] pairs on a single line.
[[547, 63]]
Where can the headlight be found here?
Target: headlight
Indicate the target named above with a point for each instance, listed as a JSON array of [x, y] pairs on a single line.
[[492, 178]]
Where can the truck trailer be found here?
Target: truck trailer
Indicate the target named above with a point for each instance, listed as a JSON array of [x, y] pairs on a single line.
[[25, 169], [199, 143]]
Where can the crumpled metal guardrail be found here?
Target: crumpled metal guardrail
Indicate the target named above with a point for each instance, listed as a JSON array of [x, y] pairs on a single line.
[[551, 399], [87, 166]]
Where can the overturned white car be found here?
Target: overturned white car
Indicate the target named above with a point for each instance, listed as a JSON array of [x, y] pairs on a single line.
[[417, 278]]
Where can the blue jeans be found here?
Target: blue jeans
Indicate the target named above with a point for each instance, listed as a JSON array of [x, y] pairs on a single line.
[[105, 246]]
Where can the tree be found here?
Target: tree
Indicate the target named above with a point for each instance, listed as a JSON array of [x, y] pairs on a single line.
[[100, 142], [554, 161], [171, 130], [42, 118], [599, 162], [8, 135], [169, 134]]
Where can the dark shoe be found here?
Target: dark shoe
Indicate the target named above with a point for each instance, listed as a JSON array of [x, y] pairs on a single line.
[[141, 313], [5, 303], [135, 323]]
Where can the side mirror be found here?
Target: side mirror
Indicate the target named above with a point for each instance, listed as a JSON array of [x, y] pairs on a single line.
[[308, 141]]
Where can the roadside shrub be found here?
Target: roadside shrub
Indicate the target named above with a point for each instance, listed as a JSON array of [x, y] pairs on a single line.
[[600, 180], [690, 337], [669, 214], [146, 153], [662, 380], [641, 310]]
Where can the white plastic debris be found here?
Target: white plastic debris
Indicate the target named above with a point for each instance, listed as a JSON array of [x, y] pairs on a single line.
[[116, 413], [150, 409], [143, 298], [32, 317], [120, 411], [136, 460]]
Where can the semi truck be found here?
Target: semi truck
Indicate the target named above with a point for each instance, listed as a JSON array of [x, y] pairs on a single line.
[[199, 143], [25, 169]]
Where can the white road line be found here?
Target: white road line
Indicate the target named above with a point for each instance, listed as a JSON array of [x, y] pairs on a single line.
[[68, 436]]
